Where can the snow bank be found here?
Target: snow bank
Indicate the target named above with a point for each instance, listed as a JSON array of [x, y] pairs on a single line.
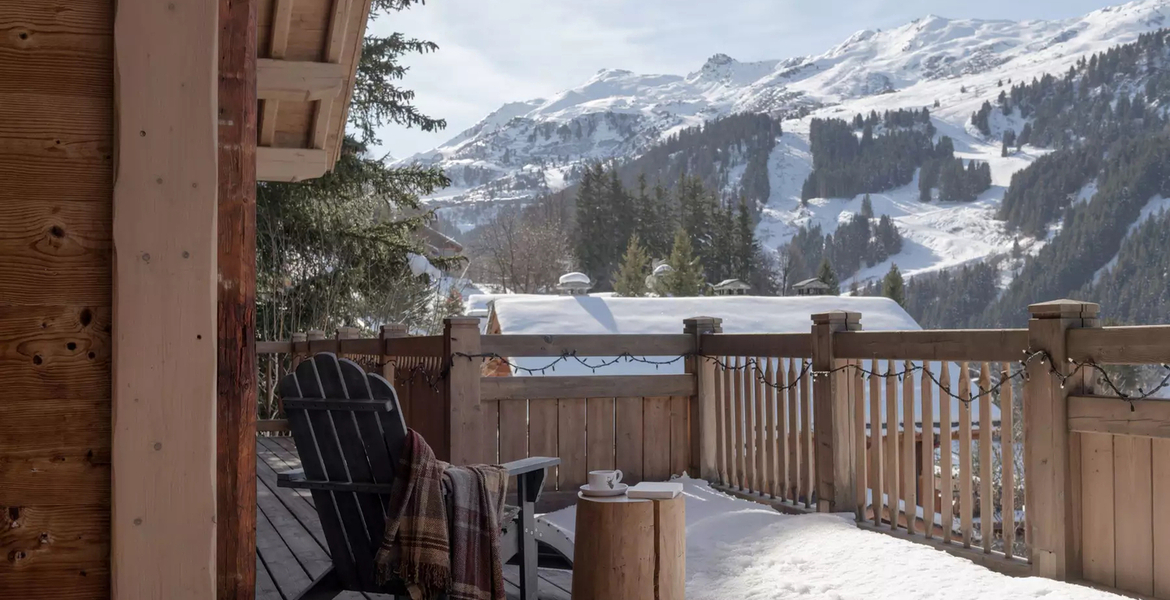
[[743, 550]]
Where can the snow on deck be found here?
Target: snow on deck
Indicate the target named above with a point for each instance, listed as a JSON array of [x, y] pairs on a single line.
[[740, 549]]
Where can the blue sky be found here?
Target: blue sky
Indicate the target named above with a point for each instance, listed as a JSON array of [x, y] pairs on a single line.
[[497, 51]]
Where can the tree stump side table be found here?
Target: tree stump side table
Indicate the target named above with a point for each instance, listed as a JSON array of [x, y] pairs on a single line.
[[629, 548]]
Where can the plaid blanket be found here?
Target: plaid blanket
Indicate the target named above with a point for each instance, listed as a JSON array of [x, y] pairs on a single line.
[[420, 547]]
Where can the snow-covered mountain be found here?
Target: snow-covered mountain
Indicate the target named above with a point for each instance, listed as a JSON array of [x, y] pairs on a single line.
[[527, 148]]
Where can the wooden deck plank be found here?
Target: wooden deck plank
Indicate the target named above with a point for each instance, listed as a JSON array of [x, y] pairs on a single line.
[[290, 577], [308, 551], [265, 587]]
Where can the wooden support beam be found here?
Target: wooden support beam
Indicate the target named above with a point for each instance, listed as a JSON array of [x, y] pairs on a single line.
[[461, 335], [298, 81], [833, 415], [277, 46], [586, 386], [1098, 414], [1052, 454], [290, 164], [237, 387], [164, 319], [334, 46], [703, 435]]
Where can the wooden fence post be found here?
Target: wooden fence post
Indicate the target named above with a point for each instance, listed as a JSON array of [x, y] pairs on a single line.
[[464, 421], [1051, 454], [703, 403], [833, 408], [393, 330]]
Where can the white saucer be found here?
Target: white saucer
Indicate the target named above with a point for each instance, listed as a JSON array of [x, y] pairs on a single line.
[[617, 490]]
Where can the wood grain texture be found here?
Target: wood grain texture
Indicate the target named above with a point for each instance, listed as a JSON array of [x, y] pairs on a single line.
[[1008, 450], [793, 443], [966, 497], [909, 464], [859, 442], [56, 165], [926, 498], [513, 430], [1097, 414], [656, 439], [737, 421], [954, 344], [542, 431], [599, 433], [619, 561], [236, 382], [807, 449], [718, 377], [1133, 510], [893, 480], [164, 451], [1160, 471], [945, 454], [628, 445], [986, 435], [670, 531], [877, 463], [680, 445], [571, 415], [586, 386], [1097, 502]]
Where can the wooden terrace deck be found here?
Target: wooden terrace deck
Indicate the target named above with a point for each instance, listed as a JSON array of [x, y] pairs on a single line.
[[291, 548]]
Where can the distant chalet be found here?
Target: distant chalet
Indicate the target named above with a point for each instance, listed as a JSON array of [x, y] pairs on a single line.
[[811, 287]]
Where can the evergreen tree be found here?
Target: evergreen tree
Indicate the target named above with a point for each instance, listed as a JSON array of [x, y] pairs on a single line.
[[686, 275], [829, 277], [867, 207], [746, 248], [893, 287], [630, 280]]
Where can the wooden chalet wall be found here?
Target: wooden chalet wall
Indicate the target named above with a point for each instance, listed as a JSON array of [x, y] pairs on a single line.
[[56, 165]]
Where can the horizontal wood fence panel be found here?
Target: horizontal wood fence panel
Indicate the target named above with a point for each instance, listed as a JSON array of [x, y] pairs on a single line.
[[770, 345], [1120, 345], [587, 345], [585, 386], [274, 347], [948, 344], [413, 346], [1096, 414]]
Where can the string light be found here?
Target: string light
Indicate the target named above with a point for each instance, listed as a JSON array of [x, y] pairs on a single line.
[[752, 365]]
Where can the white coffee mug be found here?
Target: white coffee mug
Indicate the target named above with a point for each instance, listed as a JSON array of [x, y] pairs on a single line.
[[604, 480]]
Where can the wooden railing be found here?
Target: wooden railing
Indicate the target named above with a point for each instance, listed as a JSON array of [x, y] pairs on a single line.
[[926, 435]]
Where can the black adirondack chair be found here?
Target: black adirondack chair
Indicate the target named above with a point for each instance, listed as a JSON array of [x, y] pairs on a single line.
[[349, 430]]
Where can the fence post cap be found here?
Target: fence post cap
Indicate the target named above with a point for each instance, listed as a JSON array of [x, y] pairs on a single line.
[[393, 329], [461, 322], [703, 325], [836, 316], [316, 334], [1056, 309], [299, 337]]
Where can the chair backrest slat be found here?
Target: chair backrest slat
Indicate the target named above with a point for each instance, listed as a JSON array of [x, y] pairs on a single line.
[[303, 383], [350, 446]]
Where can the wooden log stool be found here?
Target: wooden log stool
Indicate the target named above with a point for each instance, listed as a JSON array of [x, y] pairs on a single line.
[[629, 548]]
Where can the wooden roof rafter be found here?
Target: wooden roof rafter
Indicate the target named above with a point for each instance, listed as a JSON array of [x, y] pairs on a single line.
[[309, 50]]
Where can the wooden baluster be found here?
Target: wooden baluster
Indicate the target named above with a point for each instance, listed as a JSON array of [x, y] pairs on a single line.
[[770, 407], [986, 436], [741, 480], [781, 433], [728, 423], [892, 480], [909, 465], [1007, 446], [762, 478], [859, 437], [720, 433], [945, 452], [792, 492], [876, 456], [966, 499], [806, 440], [927, 479]]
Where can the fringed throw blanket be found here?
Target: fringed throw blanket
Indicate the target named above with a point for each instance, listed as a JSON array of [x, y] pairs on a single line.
[[420, 547]]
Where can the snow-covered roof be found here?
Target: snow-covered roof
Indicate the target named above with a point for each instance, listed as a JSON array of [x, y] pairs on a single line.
[[811, 283], [520, 314], [574, 278], [728, 283], [663, 268]]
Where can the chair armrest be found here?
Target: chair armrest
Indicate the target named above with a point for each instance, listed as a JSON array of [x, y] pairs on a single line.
[[296, 480], [290, 477], [528, 465]]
